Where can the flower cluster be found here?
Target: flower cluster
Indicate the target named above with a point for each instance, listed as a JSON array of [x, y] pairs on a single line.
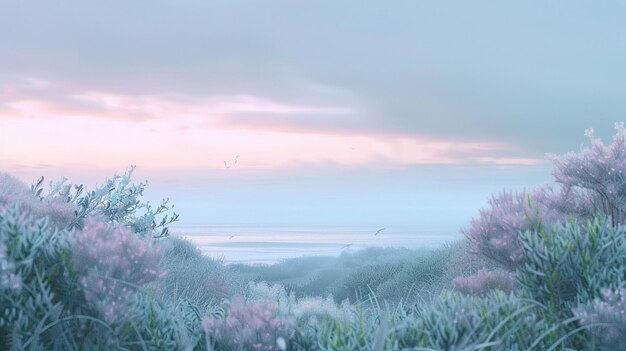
[[495, 232], [250, 326], [600, 171], [113, 262]]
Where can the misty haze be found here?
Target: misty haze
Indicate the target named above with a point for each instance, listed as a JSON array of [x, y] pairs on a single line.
[[299, 175]]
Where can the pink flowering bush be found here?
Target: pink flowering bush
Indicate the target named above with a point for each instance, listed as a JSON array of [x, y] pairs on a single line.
[[63, 289], [599, 171], [483, 281], [606, 319], [591, 182], [258, 325], [112, 263], [494, 234]]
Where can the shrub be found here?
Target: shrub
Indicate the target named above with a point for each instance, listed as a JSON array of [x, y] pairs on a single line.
[[483, 281], [116, 201], [32, 280], [572, 263], [498, 321], [55, 284], [494, 234], [362, 330], [112, 263], [606, 319], [58, 213], [250, 326], [599, 171], [592, 181]]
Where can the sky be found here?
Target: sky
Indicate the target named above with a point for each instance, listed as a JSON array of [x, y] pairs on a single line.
[[308, 112]]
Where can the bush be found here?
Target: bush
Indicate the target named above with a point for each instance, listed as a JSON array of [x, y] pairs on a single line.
[[572, 263], [599, 172], [61, 289], [59, 214], [605, 318], [498, 321], [250, 326], [494, 234], [483, 281], [592, 182], [361, 330], [117, 201], [111, 263], [34, 279]]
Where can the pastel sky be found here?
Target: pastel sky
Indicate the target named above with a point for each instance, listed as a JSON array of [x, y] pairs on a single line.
[[337, 113]]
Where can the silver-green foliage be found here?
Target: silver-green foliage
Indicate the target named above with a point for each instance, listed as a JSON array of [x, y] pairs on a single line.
[[359, 332], [43, 296], [605, 318], [498, 321], [116, 201], [572, 263], [35, 276]]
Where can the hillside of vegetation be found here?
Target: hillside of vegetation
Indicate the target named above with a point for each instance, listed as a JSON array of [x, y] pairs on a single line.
[[542, 269]]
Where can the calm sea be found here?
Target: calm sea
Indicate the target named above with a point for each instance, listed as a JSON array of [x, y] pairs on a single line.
[[267, 245]]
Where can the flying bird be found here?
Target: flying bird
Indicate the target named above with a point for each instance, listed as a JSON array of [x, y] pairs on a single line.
[[232, 236], [226, 164], [236, 157], [379, 230], [346, 246]]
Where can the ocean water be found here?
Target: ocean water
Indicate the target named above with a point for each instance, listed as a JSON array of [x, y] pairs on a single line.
[[268, 245]]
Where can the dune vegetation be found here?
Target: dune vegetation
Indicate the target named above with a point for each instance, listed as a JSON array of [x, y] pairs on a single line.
[[540, 269]]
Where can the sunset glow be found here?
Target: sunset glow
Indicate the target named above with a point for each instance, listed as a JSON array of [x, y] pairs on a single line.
[[160, 132]]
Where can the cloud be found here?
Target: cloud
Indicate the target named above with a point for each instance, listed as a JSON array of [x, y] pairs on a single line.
[[34, 99], [511, 71], [173, 131]]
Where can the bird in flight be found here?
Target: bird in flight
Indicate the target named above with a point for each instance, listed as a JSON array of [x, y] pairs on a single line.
[[232, 236], [346, 246], [379, 230], [235, 162]]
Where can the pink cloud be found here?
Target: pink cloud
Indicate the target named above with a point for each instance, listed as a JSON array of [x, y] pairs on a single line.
[[180, 132]]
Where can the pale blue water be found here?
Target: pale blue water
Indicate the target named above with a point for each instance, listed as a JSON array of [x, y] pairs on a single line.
[[267, 245]]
